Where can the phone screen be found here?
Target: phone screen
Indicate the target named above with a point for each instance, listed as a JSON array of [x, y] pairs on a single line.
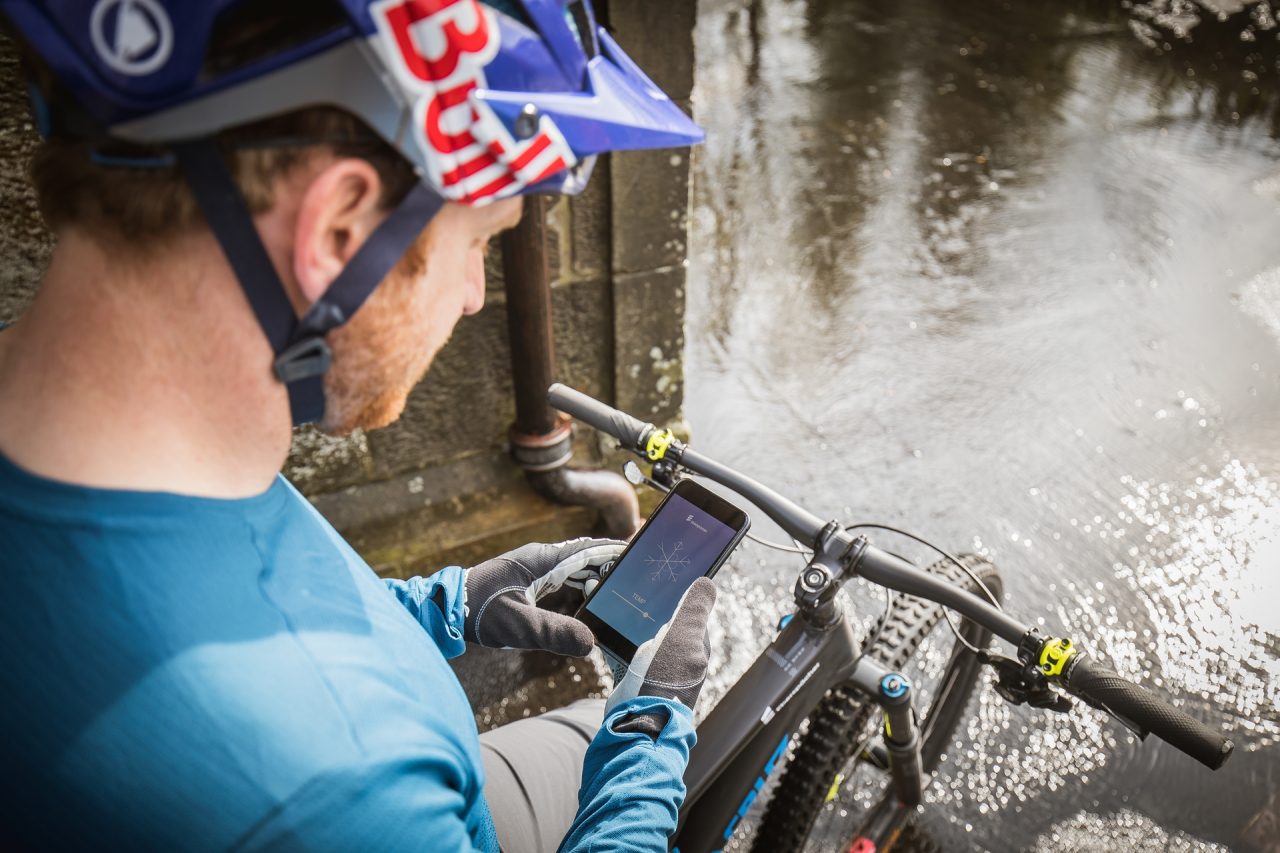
[[678, 546]]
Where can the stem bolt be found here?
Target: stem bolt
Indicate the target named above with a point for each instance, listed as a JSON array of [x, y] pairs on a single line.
[[814, 579]]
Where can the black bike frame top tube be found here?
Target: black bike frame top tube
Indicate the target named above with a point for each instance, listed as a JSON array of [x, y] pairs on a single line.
[[744, 735], [791, 517]]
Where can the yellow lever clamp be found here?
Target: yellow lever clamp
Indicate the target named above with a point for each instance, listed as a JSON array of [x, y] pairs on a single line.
[[834, 790], [659, 441], [1054, 656]]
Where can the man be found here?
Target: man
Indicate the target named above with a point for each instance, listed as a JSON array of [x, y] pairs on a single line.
[[268, 214]]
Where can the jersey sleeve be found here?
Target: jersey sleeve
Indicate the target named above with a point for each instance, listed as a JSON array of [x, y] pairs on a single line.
[[410, 803], [632, 784], [438, 603]]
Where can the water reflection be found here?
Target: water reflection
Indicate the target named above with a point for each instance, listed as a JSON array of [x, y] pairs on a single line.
[[1000, 273], [1226, 53]]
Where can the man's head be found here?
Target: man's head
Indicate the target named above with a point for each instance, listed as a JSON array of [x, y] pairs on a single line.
[[345, 127], [322, 210], [314, 206], [386, 348]]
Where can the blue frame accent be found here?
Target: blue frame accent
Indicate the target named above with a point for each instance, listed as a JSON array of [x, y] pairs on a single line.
[[758, 786]]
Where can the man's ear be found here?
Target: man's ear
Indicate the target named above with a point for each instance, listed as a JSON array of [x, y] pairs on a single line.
[[338, 211]]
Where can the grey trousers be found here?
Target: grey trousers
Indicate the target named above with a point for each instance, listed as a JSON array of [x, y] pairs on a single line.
[[533, 769]]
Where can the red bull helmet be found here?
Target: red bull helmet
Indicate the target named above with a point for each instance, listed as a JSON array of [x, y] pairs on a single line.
[[485, 99]]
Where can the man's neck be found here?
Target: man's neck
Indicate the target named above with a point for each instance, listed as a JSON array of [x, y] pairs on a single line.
[[147, 376]]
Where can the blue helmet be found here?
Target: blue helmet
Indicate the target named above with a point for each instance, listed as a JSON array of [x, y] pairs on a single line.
[[485, 100]]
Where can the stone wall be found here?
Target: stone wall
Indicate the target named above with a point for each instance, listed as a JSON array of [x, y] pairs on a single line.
[[650, 201], [24, 242], [438, 487]]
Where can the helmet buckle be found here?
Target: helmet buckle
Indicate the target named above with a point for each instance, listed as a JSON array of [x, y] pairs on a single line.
[[303, 359]]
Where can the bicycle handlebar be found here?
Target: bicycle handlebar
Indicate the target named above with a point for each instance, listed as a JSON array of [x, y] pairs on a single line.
[[1097, 684], [892, 572], [630, 431], [634, 434], [1092, 681]]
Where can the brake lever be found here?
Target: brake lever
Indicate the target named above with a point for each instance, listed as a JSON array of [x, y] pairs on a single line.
[[1022, 684], [636, 477]]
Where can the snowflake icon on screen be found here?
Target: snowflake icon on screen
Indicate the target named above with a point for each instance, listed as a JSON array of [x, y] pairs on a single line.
[[669, 564]]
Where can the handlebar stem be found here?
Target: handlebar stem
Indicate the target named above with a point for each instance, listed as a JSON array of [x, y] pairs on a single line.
[[818, 583]]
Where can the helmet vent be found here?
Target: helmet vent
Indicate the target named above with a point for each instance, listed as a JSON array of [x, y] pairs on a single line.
[[251, 32], [582, 24]]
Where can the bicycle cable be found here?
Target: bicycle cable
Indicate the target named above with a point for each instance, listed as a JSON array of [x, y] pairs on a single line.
[[779, 547], [946, 555], [946, 611], [879, 629]]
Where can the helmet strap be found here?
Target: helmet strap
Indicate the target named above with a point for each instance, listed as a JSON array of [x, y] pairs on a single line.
[[302, 355]]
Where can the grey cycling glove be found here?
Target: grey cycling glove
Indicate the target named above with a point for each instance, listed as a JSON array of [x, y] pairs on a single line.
[[502, 596], [673, 665]]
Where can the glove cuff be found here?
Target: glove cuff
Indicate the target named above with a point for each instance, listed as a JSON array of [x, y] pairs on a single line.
[[444, 615], [650, 723]]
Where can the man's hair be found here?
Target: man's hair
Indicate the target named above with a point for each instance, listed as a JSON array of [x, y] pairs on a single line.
[[139, 208]]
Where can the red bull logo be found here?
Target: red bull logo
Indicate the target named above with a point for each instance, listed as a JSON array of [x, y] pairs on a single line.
[[439, 50]]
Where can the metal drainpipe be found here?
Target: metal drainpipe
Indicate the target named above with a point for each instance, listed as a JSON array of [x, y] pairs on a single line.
[[541, 438]]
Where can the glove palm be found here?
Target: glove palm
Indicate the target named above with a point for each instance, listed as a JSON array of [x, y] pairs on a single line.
[[673, 665]]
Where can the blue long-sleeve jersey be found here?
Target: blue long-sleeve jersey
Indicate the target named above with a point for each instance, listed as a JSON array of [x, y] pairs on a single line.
[[200, 674]]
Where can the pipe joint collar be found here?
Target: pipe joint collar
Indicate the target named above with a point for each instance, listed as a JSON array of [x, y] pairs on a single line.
[[544, 452]]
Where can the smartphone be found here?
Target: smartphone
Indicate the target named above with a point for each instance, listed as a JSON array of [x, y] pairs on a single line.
[[688, 536]]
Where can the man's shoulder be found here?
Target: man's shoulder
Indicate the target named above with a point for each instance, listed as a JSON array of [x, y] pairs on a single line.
[[230, 662], [204, 613], [228, 735]]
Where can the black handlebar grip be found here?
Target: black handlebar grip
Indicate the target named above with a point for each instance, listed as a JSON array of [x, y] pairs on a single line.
[[632, 432], [1099, 685]]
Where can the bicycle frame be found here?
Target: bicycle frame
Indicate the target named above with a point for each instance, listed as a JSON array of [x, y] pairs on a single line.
[[744, 736], [742, 739]]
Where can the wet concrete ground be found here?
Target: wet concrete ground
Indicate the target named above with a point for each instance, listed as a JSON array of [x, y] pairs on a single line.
[[1001, 275]]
